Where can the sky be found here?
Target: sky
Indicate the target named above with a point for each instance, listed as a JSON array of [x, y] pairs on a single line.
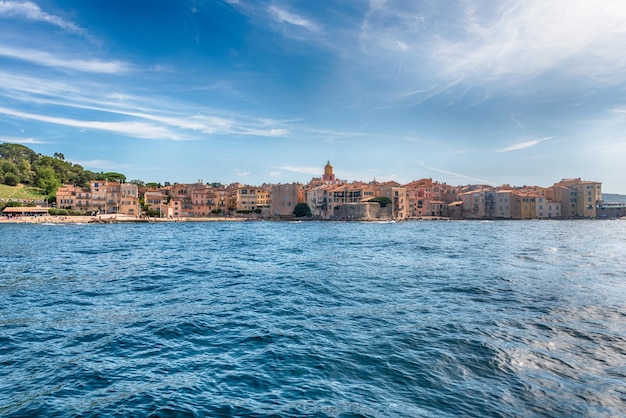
[[460, 91]]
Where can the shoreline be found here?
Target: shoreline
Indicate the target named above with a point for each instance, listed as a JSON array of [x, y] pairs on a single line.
[[108, 219], [112, 219]]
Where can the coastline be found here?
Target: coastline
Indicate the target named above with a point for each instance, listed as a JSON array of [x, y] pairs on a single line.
[[107, 219]]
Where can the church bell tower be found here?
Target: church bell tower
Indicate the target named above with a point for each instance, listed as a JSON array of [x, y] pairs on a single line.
[[328, 172]]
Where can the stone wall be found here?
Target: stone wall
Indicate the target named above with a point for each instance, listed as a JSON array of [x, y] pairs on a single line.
[[368, 211]]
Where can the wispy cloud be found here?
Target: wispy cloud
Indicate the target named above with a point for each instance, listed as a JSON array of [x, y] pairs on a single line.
[[524, 144], [130, 128], [31, 11], [528, 38], [283, 16], [22, 140], [101, 164], [49, 60], [314, 171], [504, 41], [144, 117], [457, 175]]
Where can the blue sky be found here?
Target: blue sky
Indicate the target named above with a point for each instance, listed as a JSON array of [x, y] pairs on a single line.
[[470, 91]]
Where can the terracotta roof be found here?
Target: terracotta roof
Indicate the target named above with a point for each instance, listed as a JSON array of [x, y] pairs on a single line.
[[25, 209]]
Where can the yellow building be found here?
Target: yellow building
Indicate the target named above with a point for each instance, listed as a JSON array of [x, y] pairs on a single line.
[[248, 198], [578, 198]]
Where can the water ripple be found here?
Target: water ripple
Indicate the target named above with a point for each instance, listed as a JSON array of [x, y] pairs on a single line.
[[314, 319]]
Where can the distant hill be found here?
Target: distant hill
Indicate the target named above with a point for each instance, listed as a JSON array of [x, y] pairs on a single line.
[[614, 198], [20, 165]]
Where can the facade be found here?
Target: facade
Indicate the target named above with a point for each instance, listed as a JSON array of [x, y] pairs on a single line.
[[578, 198], [129, 200], [248, 199], [66, 196], [285, 197], [474, 204], [330, 198], [503, 204], [397, 195], [102, 197], [546, 209]]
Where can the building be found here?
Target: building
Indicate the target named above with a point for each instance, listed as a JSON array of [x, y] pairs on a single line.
[[578, 198], [397, 194], [102, 197], [328, 176], [474, 203], [248, 199], [285, 197], [66, 196], [503, 204]]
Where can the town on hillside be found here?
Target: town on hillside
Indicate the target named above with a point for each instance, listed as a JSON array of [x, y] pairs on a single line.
[[329, 198]]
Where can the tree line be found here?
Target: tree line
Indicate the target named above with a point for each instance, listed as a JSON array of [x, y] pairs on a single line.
[[21, 165]]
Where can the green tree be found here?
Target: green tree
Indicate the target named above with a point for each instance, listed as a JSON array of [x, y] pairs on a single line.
[[301, 210], [8, 166], [11, 179], [46, 179], [113, 176], [26, 174], [16, 152]]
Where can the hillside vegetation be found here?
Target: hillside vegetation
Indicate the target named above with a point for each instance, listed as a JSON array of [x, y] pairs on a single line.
[[39, 174], [20, 192]]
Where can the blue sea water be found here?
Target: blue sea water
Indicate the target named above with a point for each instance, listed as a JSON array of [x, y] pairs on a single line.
[[323, 319]]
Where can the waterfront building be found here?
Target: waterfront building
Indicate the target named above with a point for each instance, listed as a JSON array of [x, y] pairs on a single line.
[[474, 203], [103, 197], [320, 200], [248, 199], [578, 198], [522, 205], [397, 194], [285, 197], [157, 200], [546, 209], [438, 208], [129, 200], [66, 196], [503, 204]]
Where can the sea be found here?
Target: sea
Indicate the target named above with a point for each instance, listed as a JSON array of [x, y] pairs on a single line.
[[320, 319]]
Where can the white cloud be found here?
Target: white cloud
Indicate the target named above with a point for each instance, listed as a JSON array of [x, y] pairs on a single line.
[[282, 16], [49, 60], [21, 140], [185, 122], [31, 11], [501, 40], [100, 164], [457, 175], [527, 38], [314, 171], [275, 173], [131, 128], [524, 145]]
